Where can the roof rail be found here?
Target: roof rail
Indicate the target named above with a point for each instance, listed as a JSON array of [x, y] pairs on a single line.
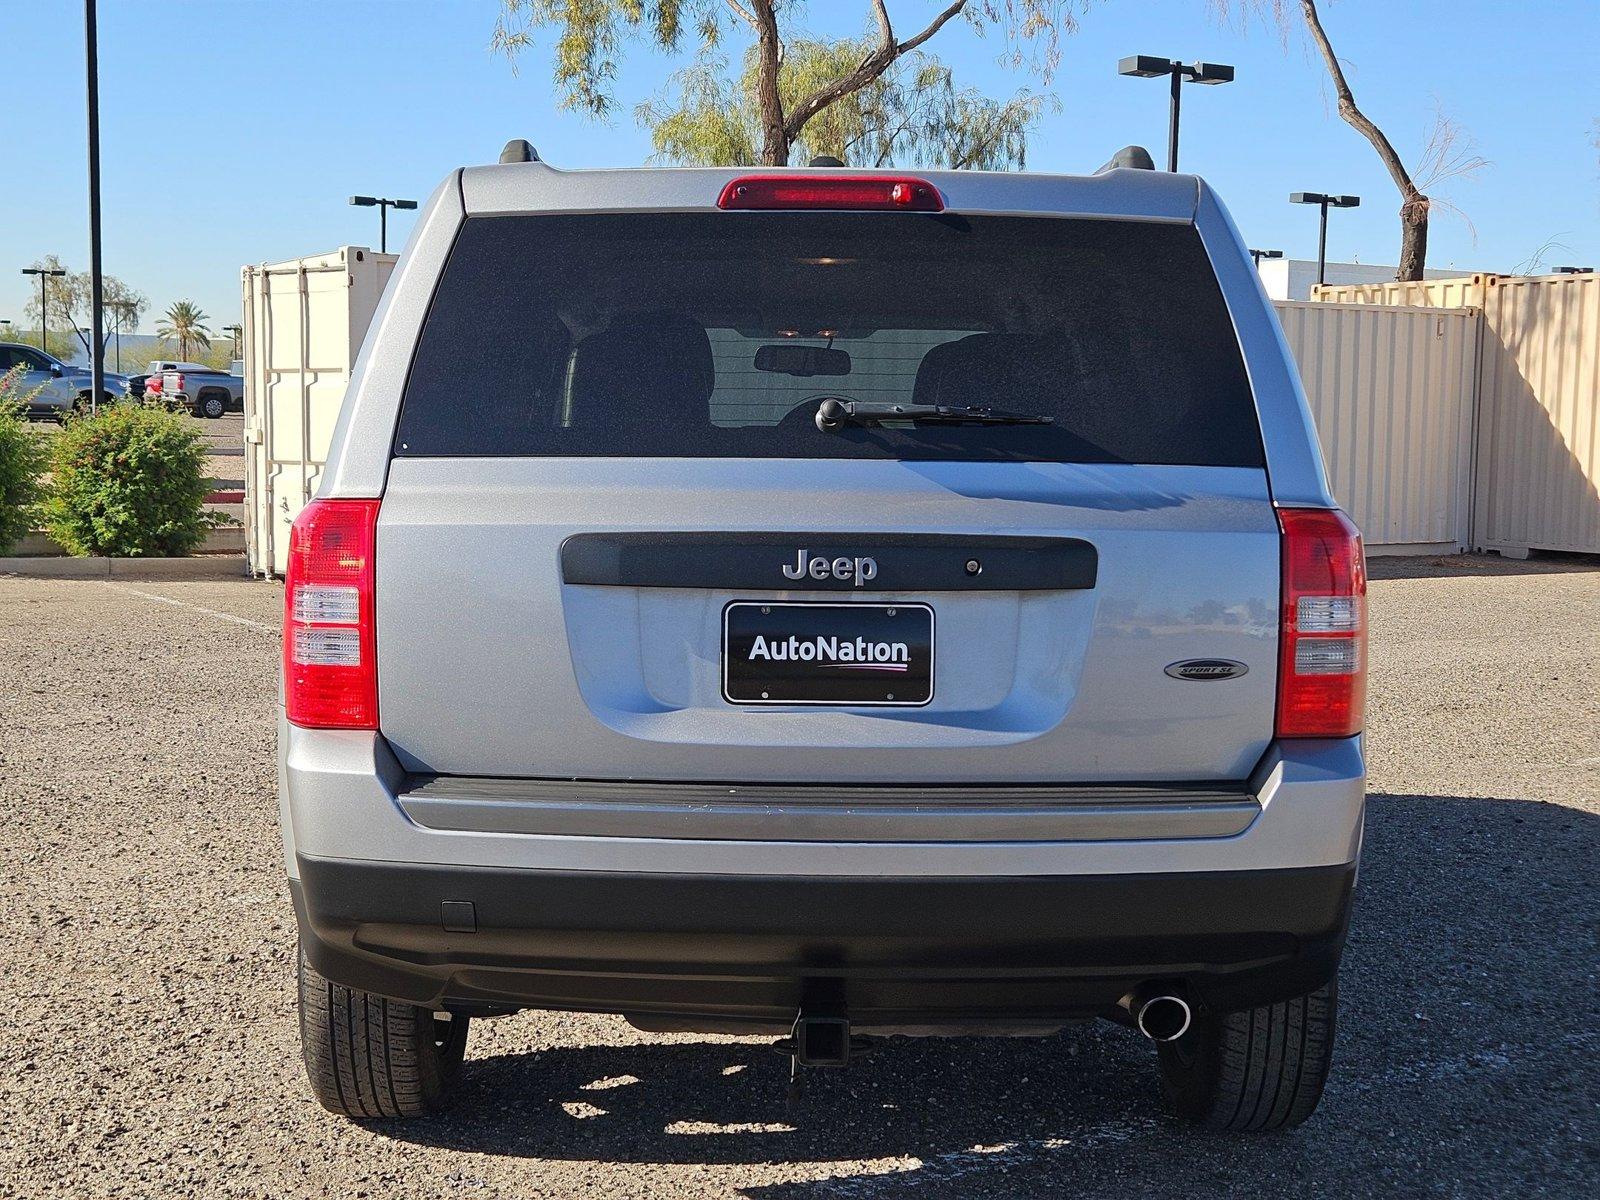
[[1135, 157], [519, 150]]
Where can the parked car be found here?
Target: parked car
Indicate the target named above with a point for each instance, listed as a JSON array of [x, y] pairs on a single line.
[[63, 389], [204, 391], [825, 605]]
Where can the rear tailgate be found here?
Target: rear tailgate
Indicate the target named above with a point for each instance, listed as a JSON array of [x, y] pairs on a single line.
[[491, 664]]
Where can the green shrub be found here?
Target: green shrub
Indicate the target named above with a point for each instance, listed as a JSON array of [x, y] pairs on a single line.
[[21, 460], [129, 481]]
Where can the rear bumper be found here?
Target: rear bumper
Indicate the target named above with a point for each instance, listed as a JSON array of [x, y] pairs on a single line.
[[711, 924], [711, 952]]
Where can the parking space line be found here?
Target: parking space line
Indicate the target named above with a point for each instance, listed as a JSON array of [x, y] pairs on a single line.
[[210, 612]]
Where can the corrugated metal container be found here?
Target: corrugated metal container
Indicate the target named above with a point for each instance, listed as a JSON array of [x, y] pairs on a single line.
[[1538, 444], [1391, 391], [303, 324], [1536, 481]]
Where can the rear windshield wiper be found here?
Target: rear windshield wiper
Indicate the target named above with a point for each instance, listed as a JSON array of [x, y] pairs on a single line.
[[834, 414]]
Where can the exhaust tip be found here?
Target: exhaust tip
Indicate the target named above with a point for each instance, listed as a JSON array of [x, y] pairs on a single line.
[[1163, 1018]]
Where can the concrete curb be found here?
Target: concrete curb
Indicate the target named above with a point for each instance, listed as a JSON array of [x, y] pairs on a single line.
[[221, 566], [227, 540]]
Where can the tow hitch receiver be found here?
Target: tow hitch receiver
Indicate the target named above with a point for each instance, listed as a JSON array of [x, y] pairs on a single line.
[[820, 1040]]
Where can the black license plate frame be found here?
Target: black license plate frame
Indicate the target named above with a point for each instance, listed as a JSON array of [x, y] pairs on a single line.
[[855, 660]]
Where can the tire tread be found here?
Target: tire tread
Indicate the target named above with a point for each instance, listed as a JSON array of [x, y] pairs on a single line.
[[1260, 1069], [370, 1058]]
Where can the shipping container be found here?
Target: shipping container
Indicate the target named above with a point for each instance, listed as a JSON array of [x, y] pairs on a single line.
[[1538, 445], [1536, 473], [1391, 391], [303, 324]]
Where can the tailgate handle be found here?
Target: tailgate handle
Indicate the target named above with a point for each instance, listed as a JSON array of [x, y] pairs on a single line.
[[834, 562]]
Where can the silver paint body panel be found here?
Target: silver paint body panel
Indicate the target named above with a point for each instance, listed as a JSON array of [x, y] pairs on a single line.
[[491, 666]]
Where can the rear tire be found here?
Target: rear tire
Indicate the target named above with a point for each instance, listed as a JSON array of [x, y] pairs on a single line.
[[370, 1058], [1256, 1070], [212, 406]]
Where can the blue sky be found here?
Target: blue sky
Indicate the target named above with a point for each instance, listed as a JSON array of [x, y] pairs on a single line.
[[272, 113]]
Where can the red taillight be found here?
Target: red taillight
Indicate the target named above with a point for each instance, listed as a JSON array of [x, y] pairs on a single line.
[[177, 382], [1322, 668], [871, 192], [330, 665]]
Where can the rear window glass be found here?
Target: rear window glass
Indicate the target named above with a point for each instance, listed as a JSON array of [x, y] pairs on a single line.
[[699, 335]]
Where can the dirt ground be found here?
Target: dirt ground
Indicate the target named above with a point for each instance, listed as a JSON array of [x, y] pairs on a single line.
[[151, 1048]]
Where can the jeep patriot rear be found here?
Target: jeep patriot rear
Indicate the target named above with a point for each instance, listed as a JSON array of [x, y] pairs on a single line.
[[825, 604]]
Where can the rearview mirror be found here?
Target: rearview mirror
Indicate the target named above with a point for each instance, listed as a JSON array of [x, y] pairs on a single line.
[[802, 360]]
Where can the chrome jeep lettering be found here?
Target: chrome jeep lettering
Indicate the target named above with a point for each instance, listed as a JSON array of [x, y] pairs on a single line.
[[861, 569]]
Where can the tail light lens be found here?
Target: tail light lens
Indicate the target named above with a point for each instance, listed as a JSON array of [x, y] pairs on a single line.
[[1322, 673], [879, 193], [177, 382], [330, 663]]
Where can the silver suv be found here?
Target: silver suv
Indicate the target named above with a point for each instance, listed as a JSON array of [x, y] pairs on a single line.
[[825, 604]]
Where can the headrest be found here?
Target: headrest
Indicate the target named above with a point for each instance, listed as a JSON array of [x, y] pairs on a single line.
[[1021, 371], [969, 370], [643, 367]]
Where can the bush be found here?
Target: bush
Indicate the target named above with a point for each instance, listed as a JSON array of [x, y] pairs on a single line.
[[21, 459], [129, 481]]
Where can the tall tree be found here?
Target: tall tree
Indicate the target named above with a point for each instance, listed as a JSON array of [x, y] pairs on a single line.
[[1448, 152], [879, 94], [185, 324]]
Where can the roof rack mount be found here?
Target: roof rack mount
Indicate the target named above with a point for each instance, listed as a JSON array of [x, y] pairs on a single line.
[[519, 150], [1134, 157]]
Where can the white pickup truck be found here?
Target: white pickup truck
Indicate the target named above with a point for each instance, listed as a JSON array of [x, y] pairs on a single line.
[[204, 391]]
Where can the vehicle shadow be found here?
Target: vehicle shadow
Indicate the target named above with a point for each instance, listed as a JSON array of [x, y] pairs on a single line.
[[1466, 1062]]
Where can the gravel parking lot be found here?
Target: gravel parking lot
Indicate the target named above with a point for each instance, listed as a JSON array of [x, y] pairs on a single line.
[[148, 959]]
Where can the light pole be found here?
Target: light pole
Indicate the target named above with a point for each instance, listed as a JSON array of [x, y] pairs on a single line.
[[383, 205], [1324, 201], [97, 316], [1148, 66], [44, 274], [1257, 255], [120, 312], [236, 332]]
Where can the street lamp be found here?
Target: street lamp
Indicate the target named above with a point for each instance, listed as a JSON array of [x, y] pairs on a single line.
[[236, 332], [1147, 66], [1324, 201], [121, 314], [383, 205], [42, 273], [1257, 255], [1574, 270]]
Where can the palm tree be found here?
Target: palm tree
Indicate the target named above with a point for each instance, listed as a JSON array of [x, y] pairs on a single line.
[[185, 322]]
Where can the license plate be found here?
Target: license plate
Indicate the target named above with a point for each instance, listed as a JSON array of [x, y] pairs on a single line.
[[841, 654]]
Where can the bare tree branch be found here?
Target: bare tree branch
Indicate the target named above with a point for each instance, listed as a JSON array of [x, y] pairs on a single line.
[[1352, 114], [1413, 204], [744, 14], [933, 27]]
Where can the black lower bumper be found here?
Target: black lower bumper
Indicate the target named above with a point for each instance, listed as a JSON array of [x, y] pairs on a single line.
[[726, 950]]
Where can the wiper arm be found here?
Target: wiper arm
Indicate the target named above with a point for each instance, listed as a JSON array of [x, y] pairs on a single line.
[[834, 414]]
